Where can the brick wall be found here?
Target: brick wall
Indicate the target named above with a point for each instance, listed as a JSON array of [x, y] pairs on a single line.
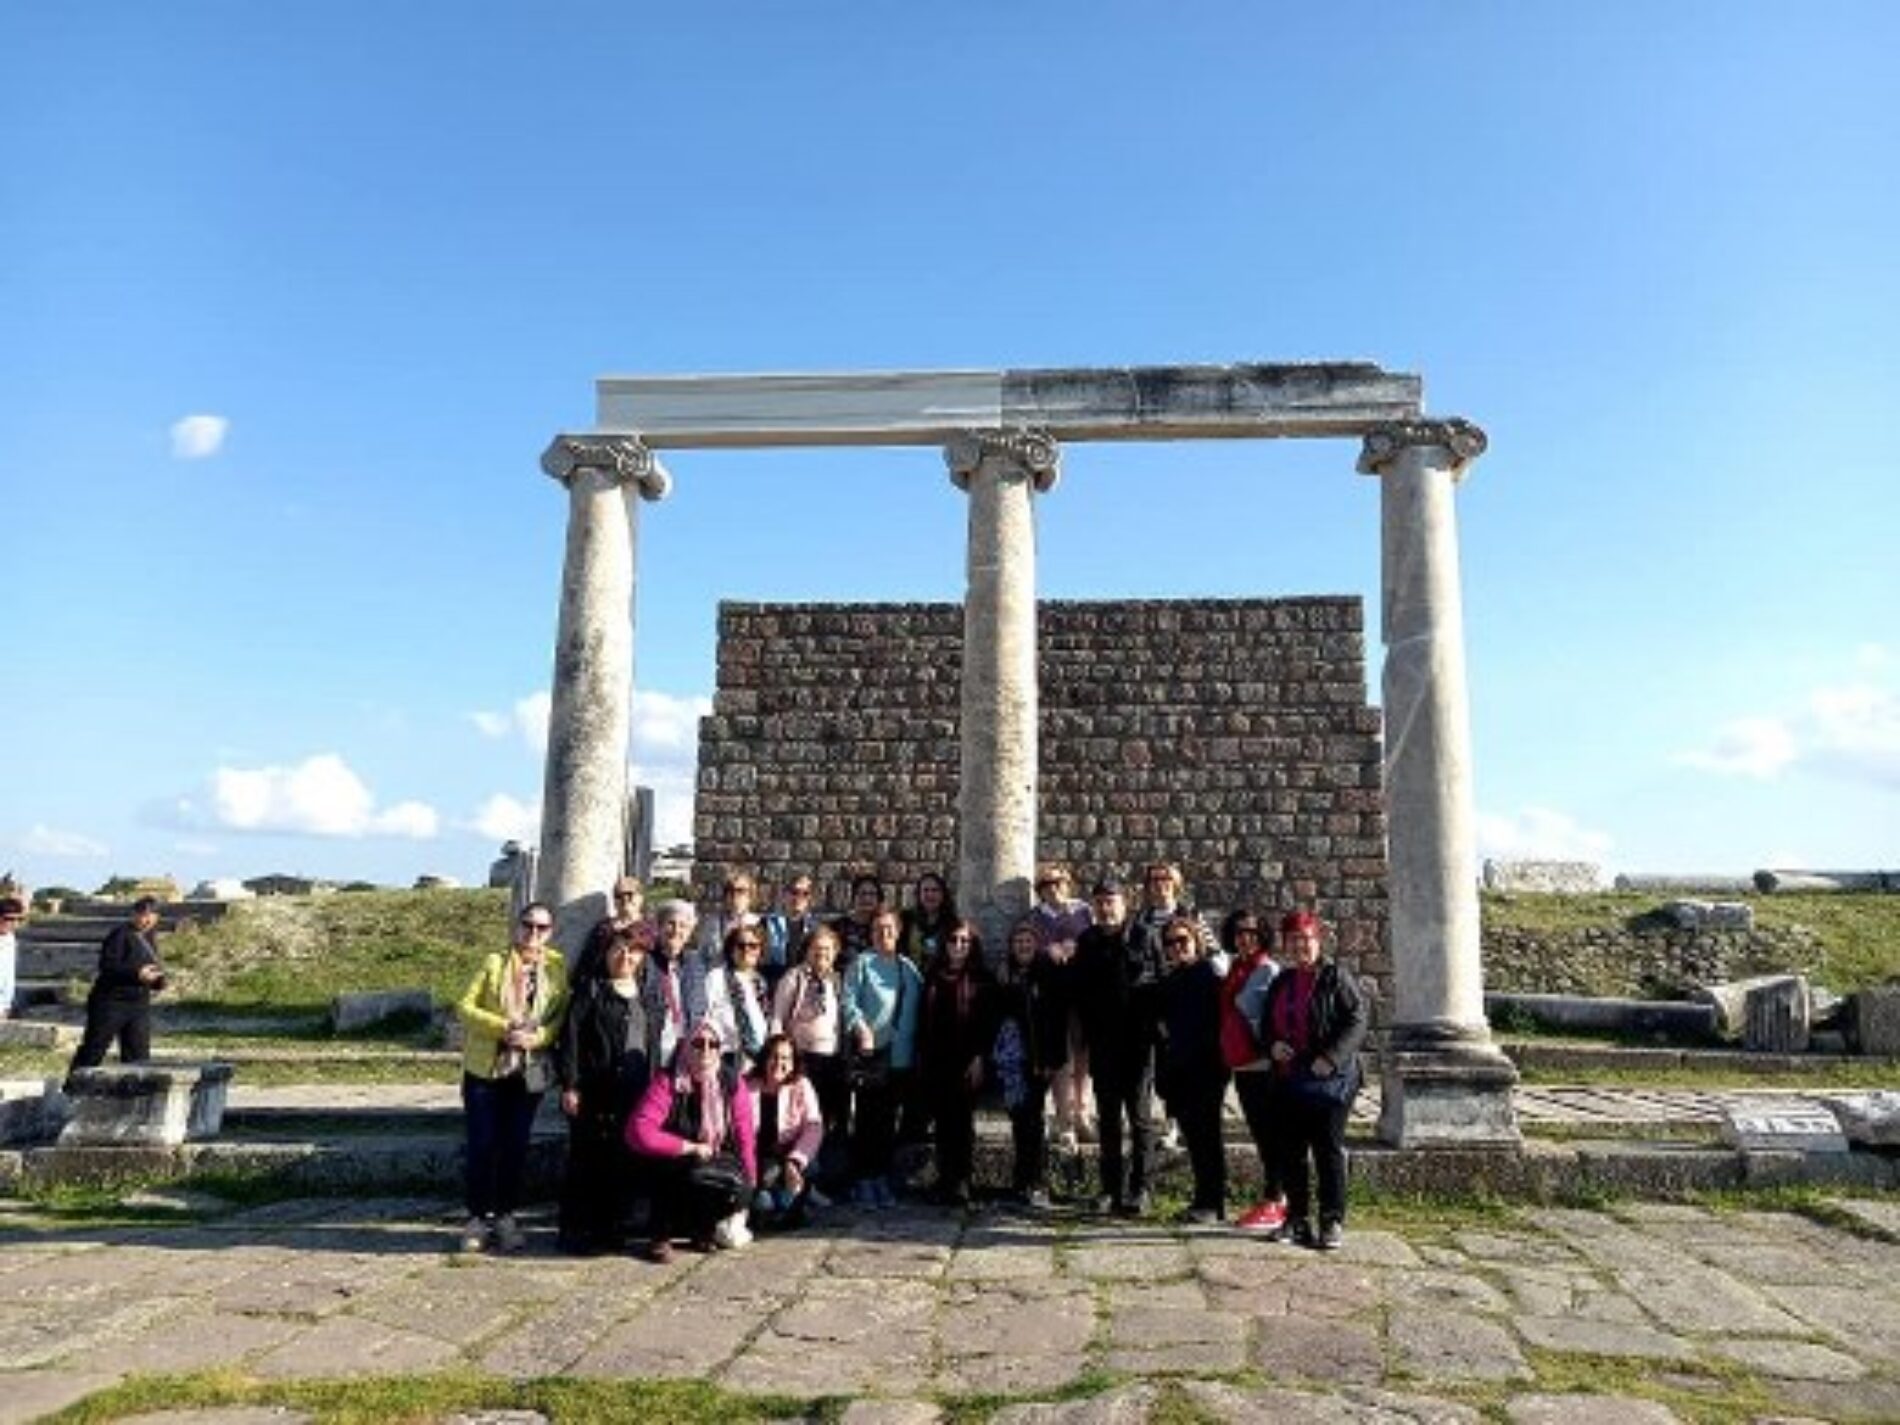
[[1231, 736]]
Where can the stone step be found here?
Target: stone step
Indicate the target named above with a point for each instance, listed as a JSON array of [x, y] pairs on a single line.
[[38, 1034], [33, 994], [62, 927], [55, 962]]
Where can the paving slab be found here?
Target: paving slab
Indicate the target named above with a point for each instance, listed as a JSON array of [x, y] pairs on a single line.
[[1452, 1347], [1128, 1405], [1588, 1410], [1789, 1360], [1240, 1405], [891, 1412], [29, 1394], [1602, 1338], [1329, 1352]]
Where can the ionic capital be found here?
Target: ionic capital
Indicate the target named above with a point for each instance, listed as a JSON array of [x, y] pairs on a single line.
[[1461, 439], [1034, 452], [623, 459]]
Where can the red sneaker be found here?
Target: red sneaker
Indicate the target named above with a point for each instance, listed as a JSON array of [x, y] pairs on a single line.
[[1263, 1217]]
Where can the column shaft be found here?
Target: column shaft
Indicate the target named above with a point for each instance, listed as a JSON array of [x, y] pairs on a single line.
[[1445, 1082], [996, 799]]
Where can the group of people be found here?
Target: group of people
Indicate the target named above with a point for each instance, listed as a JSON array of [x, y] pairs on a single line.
[[742, 1070]]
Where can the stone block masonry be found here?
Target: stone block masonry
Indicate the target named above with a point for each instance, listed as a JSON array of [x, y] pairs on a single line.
[[1231, 736]]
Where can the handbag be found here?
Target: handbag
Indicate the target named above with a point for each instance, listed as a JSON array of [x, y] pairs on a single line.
[[1339, 1087], [868, 1069], [721, 1178]]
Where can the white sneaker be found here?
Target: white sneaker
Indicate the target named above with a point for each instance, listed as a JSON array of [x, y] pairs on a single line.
[[508, 1234], [732, 1233], [474, 1235]]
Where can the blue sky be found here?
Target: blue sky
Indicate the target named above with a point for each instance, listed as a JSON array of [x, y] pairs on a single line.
[[293, 296]]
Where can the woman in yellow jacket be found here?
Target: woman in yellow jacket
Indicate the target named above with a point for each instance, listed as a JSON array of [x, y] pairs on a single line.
[[511, 1016]]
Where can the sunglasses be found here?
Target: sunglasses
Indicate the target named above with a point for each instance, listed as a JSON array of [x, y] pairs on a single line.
[[626, 895], [542, 925], [1174, 940], [703, 1043], [961, 939]]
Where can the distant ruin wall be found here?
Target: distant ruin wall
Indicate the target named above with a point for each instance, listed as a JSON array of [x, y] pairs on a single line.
[[1230, 736]]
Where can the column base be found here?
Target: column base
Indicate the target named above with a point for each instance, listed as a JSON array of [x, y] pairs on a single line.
[[1447, 1087]]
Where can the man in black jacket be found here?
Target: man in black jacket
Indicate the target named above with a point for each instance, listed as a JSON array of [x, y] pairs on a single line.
[[1117, 977], [120, 1005]]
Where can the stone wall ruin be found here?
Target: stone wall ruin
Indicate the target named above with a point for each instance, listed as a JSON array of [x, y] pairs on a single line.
[[1231, 736]]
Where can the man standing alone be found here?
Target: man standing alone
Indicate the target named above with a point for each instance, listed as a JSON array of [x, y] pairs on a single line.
[[120, 1005], [12, 914]]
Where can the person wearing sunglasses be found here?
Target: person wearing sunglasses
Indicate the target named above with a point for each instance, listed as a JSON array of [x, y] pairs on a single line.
[[788, 929], [629, 902], [1058, 920], [695, 1131], [510, 1015], [1243, 994], [954, 1034], [1189, 1070]]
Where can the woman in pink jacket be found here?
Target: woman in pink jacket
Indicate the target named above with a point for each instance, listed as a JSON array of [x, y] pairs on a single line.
[[790, 1130], [695, 1127]]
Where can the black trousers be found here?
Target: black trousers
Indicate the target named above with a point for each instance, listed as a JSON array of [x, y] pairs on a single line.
[[1196, 1106], [1255, 1092], [874, 1126], [952, 1106], [683, 1204], [499, 1114], [826, 1072], [600, 1182], [1125, 1093], [1307, 1126], [129, 1021], [1030, 1136]]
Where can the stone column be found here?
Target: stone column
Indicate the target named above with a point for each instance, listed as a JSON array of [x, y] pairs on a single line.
[[583, 800], [1445, 1082], [1002, 471]]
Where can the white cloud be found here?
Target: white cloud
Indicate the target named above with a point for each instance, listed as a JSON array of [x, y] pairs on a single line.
[[1848, 731], [320, 796], [196, 846], [198, 437], [503, 818], [664, 724], [1540, 834], [43, 840], [1758, 747], [527, 719]]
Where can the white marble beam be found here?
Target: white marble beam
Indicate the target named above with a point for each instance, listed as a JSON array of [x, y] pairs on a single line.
[[1245, 400]]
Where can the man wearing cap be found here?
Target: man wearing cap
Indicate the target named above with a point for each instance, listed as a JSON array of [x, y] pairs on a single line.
[[12, 916], [120, 1004], [1117, 978]]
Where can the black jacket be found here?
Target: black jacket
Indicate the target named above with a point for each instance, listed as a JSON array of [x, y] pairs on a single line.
[[1116, 976], [1339, 1019], [122, 954], [606, 1049], [1037, 1002], [1190, 1055]]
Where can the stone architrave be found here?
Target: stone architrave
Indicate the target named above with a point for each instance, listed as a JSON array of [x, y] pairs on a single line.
[[1001, 471], [584, 794], [1445, 1082]]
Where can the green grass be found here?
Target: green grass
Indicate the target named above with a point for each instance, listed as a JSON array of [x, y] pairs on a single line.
[[1859, 933], [425, 1398], [1857, 1074], [296, 953]]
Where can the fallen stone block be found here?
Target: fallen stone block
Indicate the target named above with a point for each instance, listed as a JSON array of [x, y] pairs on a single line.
[[1873, 1020], [1777, 1017], [145, 1105], [1710, 915], [350, 1012], [1783, 1126], [1730, 1002], [31, 1111], [1677, 1020], [1869, 1119], [36, 1034]]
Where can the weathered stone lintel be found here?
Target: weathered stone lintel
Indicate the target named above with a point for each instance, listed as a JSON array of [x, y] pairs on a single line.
[[1242, 400], [149, 1105]]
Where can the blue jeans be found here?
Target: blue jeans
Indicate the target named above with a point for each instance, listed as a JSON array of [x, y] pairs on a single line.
[[500, 1113]]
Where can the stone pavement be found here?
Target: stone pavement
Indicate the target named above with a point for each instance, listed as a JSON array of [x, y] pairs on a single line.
[[1640, 1314]]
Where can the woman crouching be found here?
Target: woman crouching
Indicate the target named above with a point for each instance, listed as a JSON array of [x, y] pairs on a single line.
[[790, 1132], [694, 1127]]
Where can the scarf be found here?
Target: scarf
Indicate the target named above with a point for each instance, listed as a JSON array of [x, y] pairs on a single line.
[[523, 999], [701, 1078]]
